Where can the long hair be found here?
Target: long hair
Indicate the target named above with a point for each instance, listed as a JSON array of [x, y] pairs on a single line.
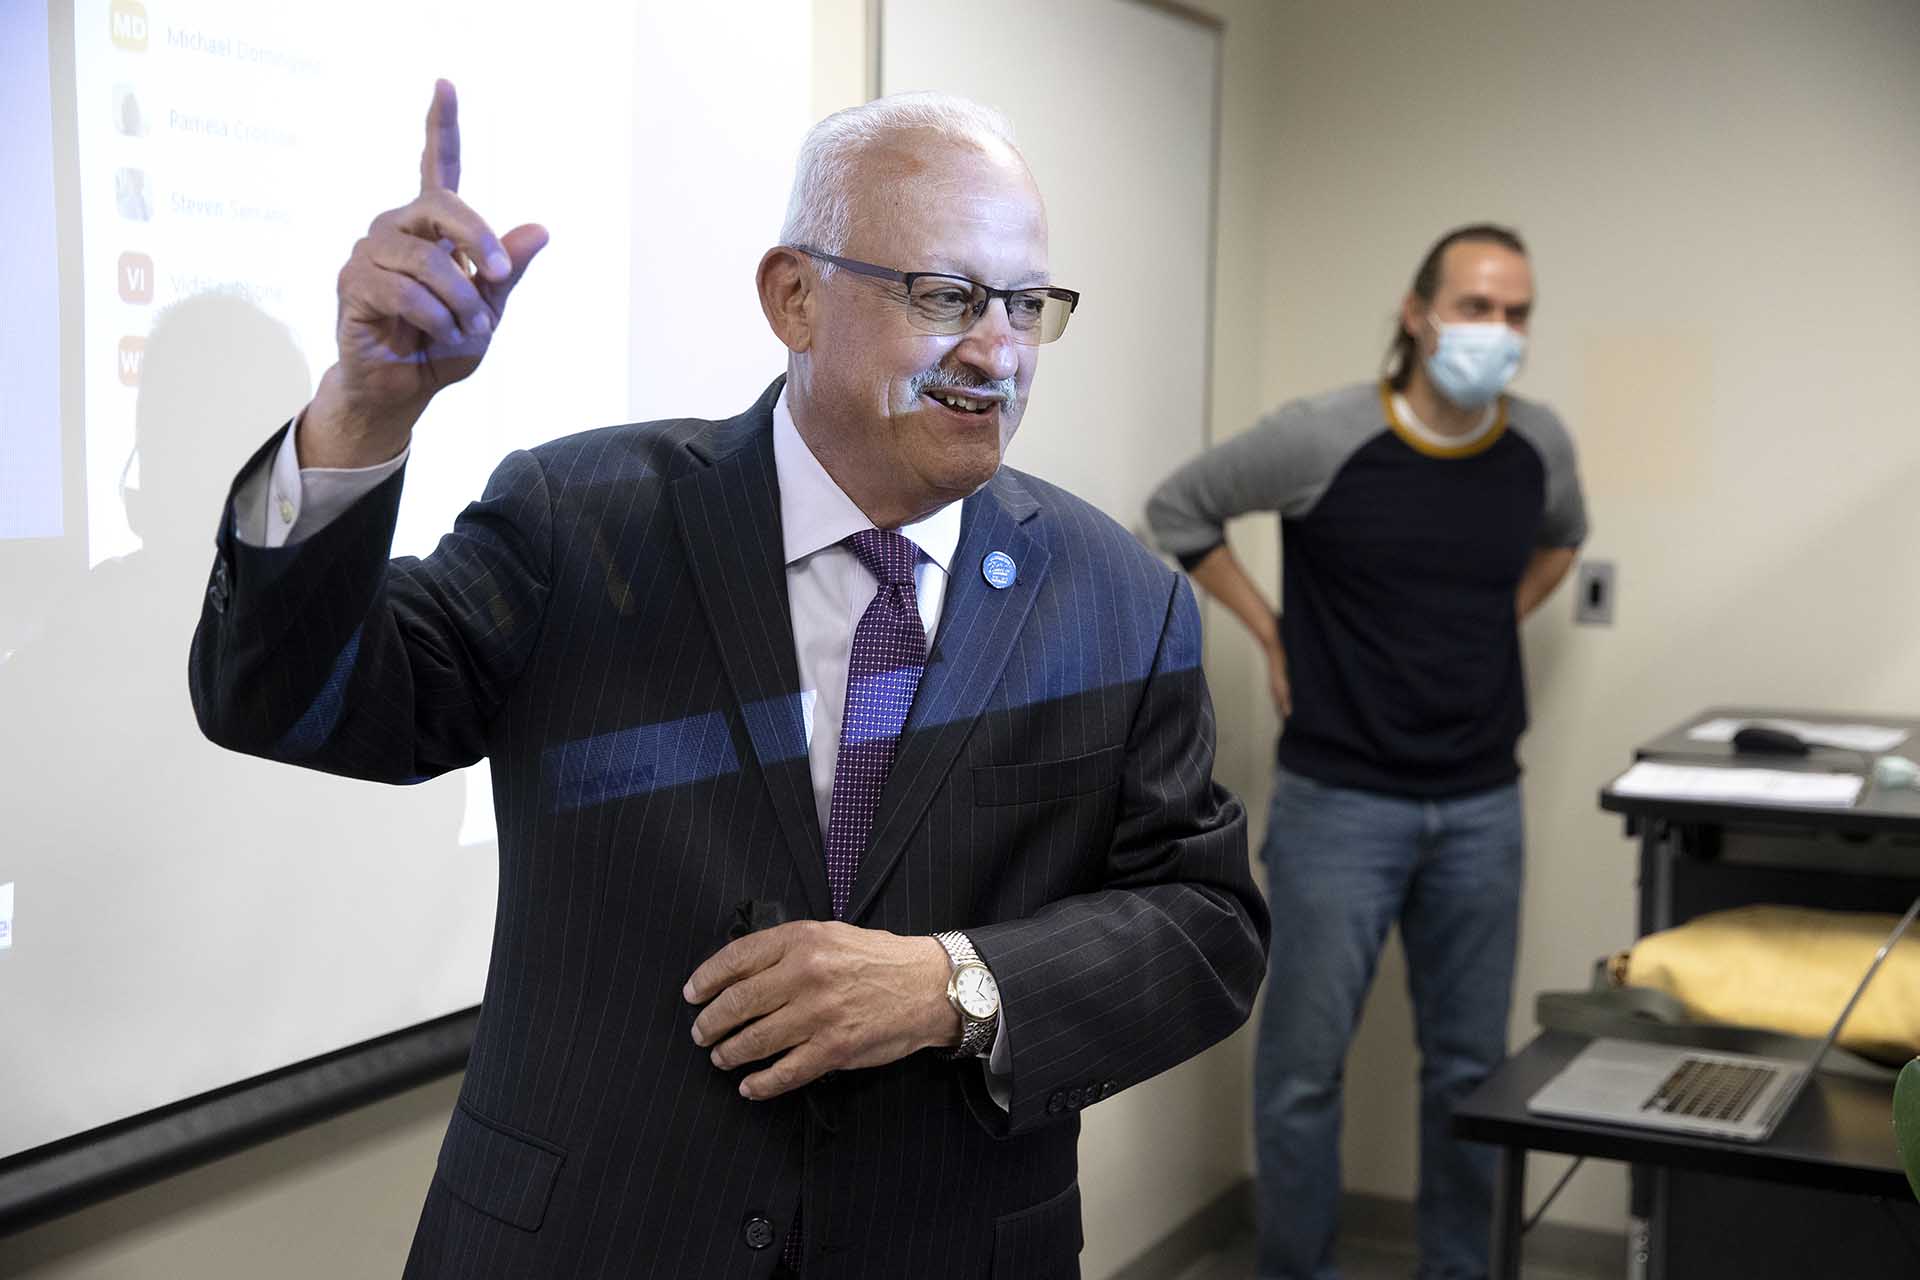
[[1404, 350]]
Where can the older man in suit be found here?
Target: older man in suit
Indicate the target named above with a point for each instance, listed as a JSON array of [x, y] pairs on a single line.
[[856, 819]]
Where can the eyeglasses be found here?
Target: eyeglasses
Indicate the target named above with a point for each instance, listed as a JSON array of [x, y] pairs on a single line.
[[938, 303]]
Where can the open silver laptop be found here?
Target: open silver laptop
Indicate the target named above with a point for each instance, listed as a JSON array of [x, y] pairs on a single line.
[[1719, 1095]]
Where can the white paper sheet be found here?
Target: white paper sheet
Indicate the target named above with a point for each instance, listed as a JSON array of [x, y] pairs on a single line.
[[1738, 786], [1870, 738]]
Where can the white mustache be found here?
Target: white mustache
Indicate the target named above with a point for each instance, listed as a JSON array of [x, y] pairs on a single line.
[[943, 379]]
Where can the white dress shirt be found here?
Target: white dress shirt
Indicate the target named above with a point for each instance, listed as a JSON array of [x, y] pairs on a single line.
[[283, 503], [828, 589]]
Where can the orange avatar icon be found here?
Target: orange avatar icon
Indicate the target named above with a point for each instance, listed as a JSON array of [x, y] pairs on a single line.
[[135, 277], [132, 352]]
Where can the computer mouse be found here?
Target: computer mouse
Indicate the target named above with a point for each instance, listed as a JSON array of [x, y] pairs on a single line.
[[1759, 740]]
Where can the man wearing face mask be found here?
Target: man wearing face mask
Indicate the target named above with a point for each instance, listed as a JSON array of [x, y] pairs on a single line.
[[1423, 516], [855, 800]]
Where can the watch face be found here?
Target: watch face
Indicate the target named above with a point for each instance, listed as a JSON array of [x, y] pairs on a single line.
[[976, 991]]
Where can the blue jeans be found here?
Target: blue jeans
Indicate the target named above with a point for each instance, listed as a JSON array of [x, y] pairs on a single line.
[[1342, 866]]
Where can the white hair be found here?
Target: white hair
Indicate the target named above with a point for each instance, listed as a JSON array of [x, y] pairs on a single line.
[[820, 209]]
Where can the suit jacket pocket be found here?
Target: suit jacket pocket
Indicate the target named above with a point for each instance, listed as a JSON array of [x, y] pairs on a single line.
[[1042, 1242], [502, 1173], [1047, 779]]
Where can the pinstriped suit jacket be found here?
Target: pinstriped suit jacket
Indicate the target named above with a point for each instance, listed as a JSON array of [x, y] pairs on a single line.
[[609, 626]]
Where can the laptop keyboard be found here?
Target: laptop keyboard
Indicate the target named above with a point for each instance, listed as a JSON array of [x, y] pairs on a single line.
[[1708, 1090]]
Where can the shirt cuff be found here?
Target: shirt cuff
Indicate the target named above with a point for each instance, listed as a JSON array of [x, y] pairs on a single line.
[[281, 503], [998, 1065]]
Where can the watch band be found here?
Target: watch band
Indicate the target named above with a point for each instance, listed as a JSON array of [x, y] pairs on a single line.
[[976, 1034]]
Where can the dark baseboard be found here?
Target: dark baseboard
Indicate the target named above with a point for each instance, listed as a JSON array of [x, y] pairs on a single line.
[[71, 1174], [1376, 1219], [1226, 1216], [1580, 1250]]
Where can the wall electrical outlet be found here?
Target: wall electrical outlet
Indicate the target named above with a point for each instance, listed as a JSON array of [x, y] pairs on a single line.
[[1593, 593]]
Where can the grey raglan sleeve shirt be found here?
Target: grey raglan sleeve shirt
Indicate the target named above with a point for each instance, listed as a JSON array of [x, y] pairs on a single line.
[[1283, 464], [1564, 523]]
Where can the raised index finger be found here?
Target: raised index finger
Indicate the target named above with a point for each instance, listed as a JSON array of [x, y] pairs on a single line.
[[440, 159]]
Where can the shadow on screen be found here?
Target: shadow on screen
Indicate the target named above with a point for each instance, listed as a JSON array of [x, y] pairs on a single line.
[[186, 917]]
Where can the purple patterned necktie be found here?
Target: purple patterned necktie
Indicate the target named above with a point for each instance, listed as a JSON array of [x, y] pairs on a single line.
[[883, 670]]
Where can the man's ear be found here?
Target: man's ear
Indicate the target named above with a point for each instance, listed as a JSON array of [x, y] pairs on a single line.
[[1413, 319], [788, 295]]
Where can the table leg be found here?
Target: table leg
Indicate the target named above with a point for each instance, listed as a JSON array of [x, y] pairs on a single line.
[[1659, 847], [1509, 1199]]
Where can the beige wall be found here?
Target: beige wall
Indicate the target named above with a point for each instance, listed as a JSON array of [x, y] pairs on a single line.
[[1723, 199], [1153, 1156], [338, 1199]]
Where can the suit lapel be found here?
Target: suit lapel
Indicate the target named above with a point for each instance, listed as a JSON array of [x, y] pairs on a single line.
[[978, 624], [729, 517]]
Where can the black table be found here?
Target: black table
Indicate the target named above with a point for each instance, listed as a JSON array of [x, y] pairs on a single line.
[[1698, 826], [1696, 857], [1838, 1137]]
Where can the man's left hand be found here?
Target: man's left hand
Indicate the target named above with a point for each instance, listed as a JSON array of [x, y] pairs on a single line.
[[824, 996]]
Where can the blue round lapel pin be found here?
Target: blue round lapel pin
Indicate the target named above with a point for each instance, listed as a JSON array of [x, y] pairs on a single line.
[[999, 570]]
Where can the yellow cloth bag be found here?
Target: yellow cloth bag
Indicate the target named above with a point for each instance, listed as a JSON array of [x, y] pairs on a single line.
[[1789, 969]]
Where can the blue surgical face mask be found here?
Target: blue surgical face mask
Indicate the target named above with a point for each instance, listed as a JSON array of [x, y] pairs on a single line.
[[1473, 363]]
